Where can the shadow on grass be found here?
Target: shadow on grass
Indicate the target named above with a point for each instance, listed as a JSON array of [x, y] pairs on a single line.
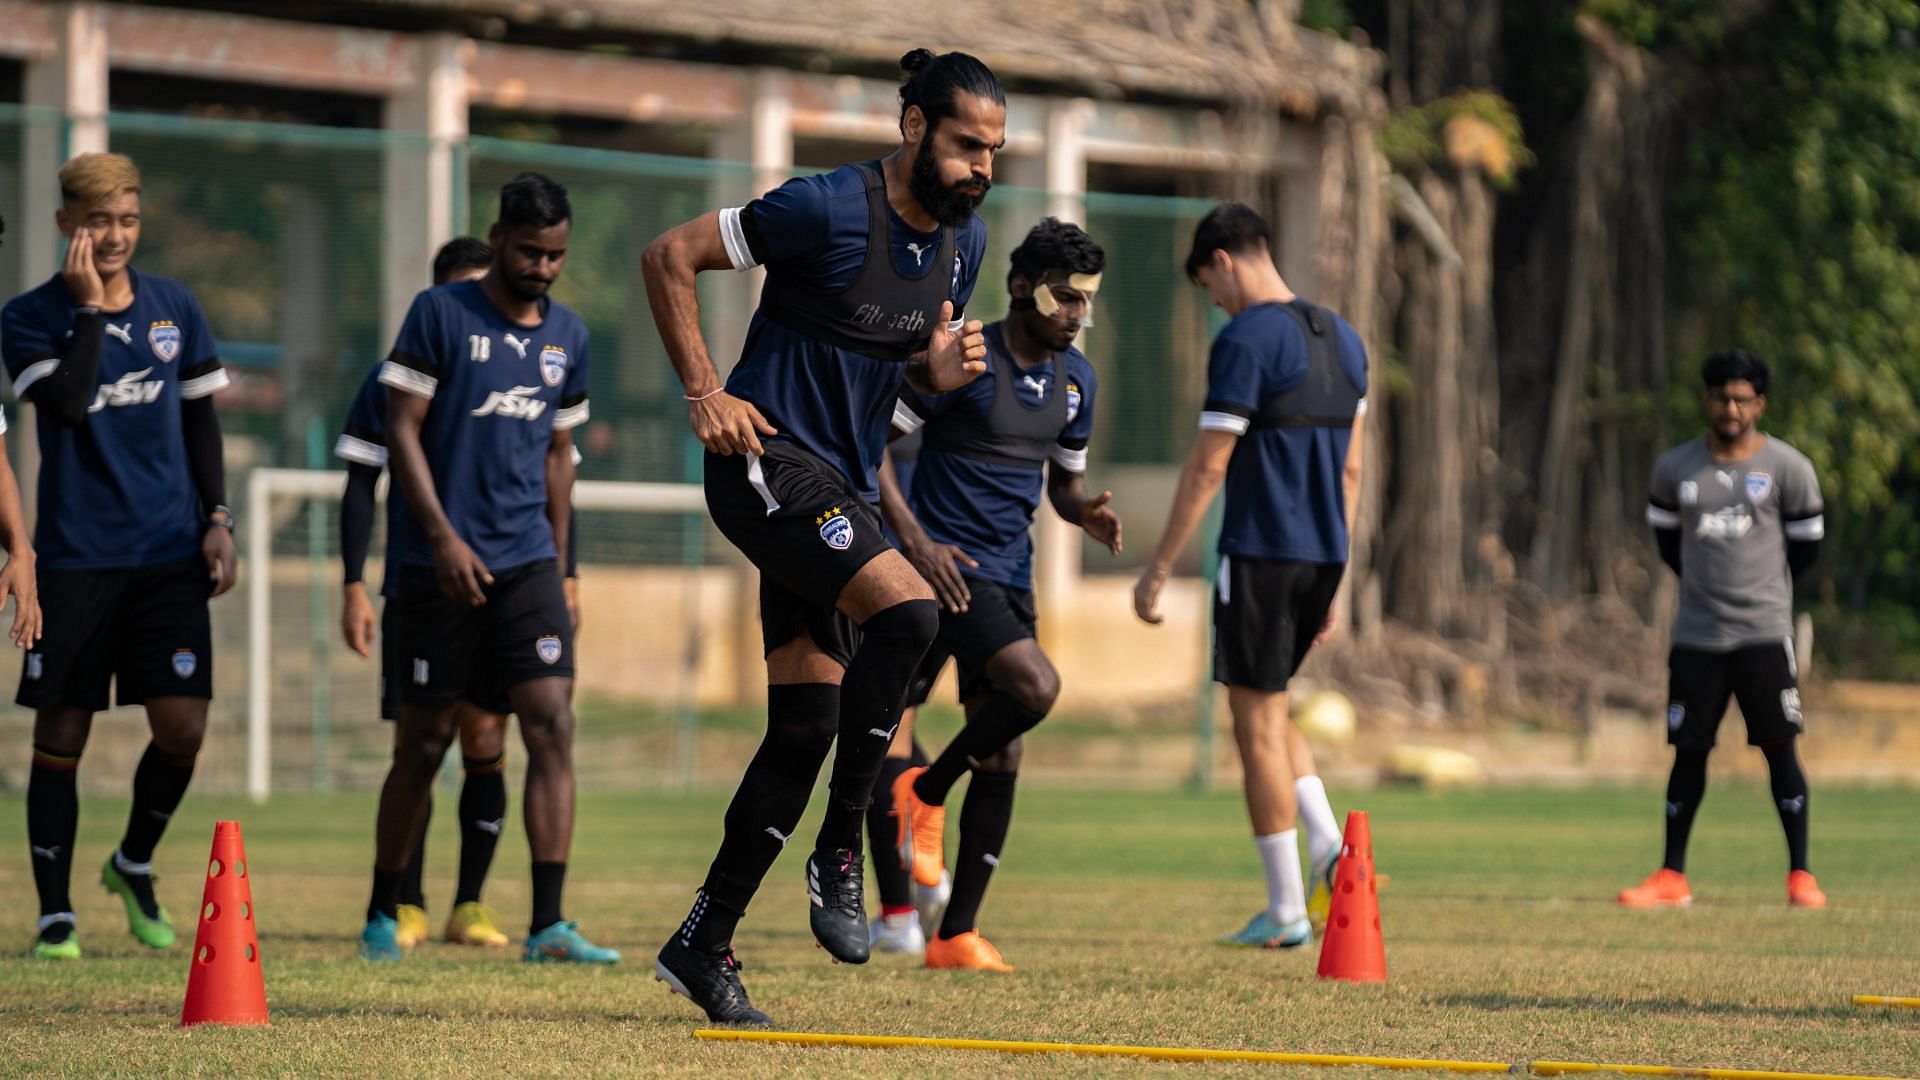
[[1502, 1002]]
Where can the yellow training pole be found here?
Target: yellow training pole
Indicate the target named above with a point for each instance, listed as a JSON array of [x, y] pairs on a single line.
[[1563, 1068], [1156, 1053], [1889, 1002]]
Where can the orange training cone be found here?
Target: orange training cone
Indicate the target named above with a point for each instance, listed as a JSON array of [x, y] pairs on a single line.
[[1353, 948], [224, 985]]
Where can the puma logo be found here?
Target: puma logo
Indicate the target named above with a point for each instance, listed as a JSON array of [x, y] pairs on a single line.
[[492, 827], [519, 344], [777, 835], [919, 252], [887, 734], [990, 859], [124, 333], [1038, 386], [1794, 805], [51, 854]]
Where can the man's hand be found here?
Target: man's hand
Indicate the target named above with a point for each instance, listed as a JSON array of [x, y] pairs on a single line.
[[940, 565], [356, 618], [217, 547], [725, 424], [1100, 522], [81, 276], [462, 575], [953, 360], [19, 581], [1146, 595], [572, 587]]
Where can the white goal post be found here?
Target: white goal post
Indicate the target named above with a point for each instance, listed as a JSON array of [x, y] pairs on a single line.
[[263, 485]]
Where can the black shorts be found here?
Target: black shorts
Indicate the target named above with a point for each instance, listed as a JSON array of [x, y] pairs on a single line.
[[450, 650], [996, 617], [1266, 613], [145, 630], [1764, 678], [393, 662], [800, 522]]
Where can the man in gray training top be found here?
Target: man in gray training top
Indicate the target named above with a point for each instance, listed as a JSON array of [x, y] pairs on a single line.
[[1736, 514]]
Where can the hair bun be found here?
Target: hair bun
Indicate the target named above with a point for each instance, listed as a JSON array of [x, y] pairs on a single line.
[[915, 61]]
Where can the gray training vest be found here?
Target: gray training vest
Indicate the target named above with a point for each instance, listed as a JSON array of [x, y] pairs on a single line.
[[1327, 397], [1015, 434], [883, 314]]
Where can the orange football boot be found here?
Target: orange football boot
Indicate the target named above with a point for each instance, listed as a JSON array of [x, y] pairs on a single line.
[[1804, 892], [920, 839], [969, 952], [1664, 888]]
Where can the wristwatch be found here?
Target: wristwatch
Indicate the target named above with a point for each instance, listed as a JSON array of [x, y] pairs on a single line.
[[222, 517]]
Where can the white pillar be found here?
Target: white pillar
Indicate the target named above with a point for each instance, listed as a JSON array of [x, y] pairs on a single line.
[[1056, 554], [66, 98], [422, 174]]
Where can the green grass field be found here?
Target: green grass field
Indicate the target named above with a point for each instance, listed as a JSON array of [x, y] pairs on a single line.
[[1501, 941]]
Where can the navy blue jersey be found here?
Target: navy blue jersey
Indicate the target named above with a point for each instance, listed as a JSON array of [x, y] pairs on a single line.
[[115, 492], [1284, 494], [985, 507], [813, 232], [499, 391]]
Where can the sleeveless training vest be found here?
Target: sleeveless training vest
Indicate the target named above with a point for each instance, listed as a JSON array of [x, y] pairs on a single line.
[[1015, 433], [1327, 397], [882, 314]]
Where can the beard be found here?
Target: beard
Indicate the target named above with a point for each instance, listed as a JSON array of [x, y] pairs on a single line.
[[526, 288], [951, 206]]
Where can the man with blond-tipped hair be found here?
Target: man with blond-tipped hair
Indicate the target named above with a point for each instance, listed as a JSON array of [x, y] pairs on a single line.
[[134, 535]]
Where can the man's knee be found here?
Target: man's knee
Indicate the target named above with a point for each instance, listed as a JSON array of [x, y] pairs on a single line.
[[908, 623], [1036, 686], [178, 727], [483, 734]]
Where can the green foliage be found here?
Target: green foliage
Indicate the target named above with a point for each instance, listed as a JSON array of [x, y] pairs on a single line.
[[1695, 25], [1880, 642], [1414, 137], [1803, 235], [1328, 16]]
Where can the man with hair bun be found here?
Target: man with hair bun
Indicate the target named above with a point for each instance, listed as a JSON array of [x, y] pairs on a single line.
[[966, 528], [491, 380], [133, 538], [868, 270], [1737, 515]]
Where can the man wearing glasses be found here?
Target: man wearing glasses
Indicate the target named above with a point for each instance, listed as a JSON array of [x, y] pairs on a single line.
[[1736, 513]]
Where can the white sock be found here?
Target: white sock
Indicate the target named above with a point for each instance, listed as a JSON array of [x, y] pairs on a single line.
[[1323, 831], [120, 862], [1286, 891], [57, 917]]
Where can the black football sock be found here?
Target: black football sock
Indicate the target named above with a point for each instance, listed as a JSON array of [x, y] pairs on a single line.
[[1790, 798], [53, 817], [159, 783], [892, 644], [483, 810], [984, 817], [889, 878], [549, 879], [411, 891], [1686, 786], [385, 899], [801, 722], [998, 721]]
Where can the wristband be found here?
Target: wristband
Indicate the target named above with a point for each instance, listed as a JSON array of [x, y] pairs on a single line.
[[87, 309], [705, 396]]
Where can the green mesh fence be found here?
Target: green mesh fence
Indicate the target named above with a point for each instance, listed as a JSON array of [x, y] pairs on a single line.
[[279, 230]]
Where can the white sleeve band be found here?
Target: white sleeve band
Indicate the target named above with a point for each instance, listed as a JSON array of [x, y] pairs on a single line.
[[1074, 461], [417, 383], [734, 236], [577, 456], [905, 420], [1223, 421], [361, 452], [1813, 528], [957, 325], [570, 417], [3, 421], [1662, 519], [211, 383], [1361, 409], [33, 373]]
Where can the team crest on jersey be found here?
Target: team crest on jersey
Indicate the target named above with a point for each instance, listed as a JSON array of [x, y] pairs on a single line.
[[957, 265], [1758, 484], [164, 338], [1676, 713], [1073, 401], [553, 364], [185, 663], [547, 649], [835, 529]]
